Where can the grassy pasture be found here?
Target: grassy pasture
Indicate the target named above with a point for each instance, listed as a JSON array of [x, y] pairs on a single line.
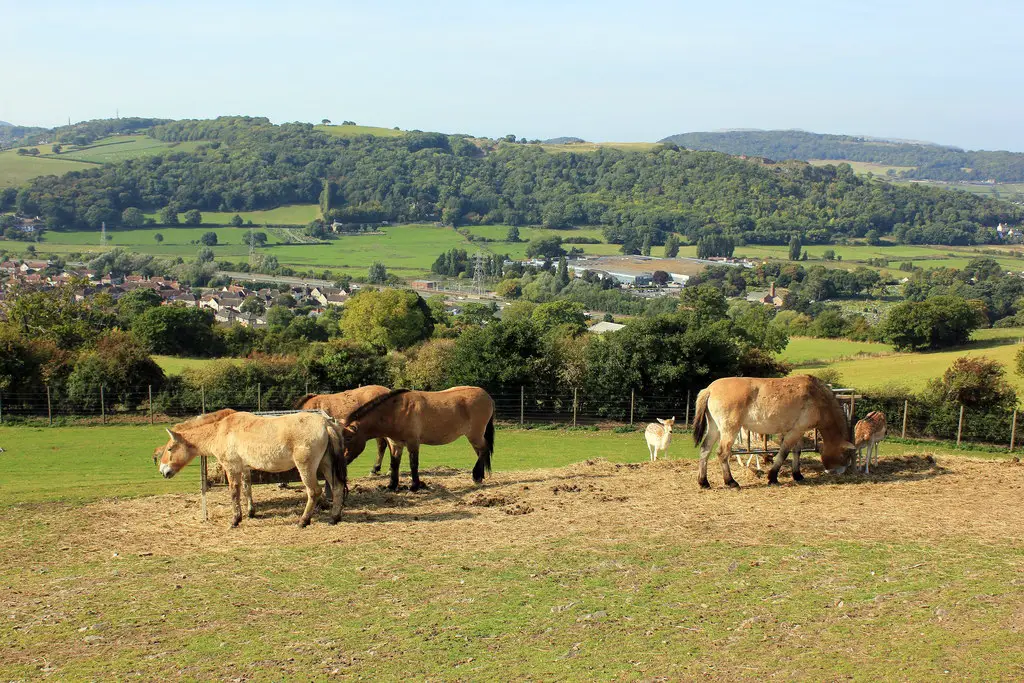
[[16, 170], [172, 365], [605, 569], [293, 214], [805, 349], [594, 146], [356, 131], [123, 147], [861, 167]]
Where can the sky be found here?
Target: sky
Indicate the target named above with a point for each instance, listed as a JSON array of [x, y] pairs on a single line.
[[946, 72]]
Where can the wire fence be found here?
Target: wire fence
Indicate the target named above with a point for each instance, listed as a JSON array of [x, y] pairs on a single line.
[[907, 418]]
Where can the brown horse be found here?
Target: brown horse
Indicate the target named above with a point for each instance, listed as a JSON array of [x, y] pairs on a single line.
[[242, 442], [428, 418], [341, 405], [789, 406]]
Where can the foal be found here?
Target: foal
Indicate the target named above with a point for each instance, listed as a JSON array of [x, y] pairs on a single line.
[[867, 434]]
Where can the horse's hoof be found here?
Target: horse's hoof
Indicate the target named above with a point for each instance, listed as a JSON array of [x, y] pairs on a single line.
[[303, 523], [704, 484], [733, 484], [335, 520], [418, 486], [797, 476], [773, 481], [252, 514], [234, 524], [375, 471], [393, 489]]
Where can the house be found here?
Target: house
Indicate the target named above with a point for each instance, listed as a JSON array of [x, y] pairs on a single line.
[[604, 326], [635, 279], [426, 284], [328, 296], [769, 298], [32, 266], [8, 267]]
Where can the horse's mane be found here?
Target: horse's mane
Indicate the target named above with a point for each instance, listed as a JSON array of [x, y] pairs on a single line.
[[300, 403], [373, 404], [204, 419], [834, 414]]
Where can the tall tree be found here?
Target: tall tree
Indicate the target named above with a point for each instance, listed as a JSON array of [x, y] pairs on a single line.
[[795, 246]]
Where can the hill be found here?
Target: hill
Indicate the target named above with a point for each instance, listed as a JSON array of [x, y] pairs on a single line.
[[920, 161], [635, 196], [561, 141]]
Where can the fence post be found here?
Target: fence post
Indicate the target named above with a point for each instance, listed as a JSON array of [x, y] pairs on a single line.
[[307, 388], [150, 404], [1013, 429], [49, 408], [574, 407], [853, 416], [687, 407], [960, 426], [259, 397], [202, 393], [103, 407], [632, 402], [906, 404], [522, 404]]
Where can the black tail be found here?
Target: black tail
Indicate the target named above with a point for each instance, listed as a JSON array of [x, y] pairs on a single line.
[[483, 460], [336, 448], [700, 418]]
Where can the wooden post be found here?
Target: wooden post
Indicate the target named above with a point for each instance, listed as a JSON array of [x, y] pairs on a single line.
[[906, 404], [150, 404], [632, 403], [687, 406], [202, 393], [765, 443], [49, 408], [522, 405], [574, 407], [748, 441], [203, 485], [307, 388], [1013, 430], [960, 426], [259, 397], [103, 407]]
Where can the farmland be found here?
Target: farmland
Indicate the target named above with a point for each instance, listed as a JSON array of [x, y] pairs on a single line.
[[594, 146], [862, 167], [16, 170], [807, 349], [292, 214], [355, 131], [604, 569]]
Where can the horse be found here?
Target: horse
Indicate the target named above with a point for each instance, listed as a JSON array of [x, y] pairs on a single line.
[[340, 407], [659, 436], [243, 441], [410, 419], [867, 434], [789, 406]]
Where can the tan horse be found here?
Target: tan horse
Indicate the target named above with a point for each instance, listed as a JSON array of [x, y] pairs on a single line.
[[789, 406], [242, 442], [867, 434], [424, 418], [341, 405]]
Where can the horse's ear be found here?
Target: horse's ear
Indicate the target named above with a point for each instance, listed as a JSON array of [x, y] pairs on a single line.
[[174, 437]]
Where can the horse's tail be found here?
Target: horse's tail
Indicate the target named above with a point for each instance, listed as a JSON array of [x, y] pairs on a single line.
[[299, 403], [336, 449], [483, 462], [700, 417]]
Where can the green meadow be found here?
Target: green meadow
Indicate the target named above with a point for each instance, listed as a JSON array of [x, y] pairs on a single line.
[[356, 131]]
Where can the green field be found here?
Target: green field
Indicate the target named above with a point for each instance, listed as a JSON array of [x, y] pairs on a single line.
[[861, 167], [805, 349], [594, 146], [601, 570], [356, 131], [17, 170], [292, 214], [172, 365]]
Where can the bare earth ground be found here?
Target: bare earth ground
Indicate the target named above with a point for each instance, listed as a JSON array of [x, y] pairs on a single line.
[[598, 571]]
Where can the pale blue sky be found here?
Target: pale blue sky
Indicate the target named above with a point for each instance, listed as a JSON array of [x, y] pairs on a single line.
[[948, 72]]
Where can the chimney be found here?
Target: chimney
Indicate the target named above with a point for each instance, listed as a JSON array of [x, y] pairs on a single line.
[[773, 289]]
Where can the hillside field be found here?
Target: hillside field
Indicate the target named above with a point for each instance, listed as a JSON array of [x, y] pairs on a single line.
[[292, 214], [576, 559], [355, 131], [16, 170], [861, 167]]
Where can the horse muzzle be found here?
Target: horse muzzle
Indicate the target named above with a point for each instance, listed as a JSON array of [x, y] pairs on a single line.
[[166, 470]]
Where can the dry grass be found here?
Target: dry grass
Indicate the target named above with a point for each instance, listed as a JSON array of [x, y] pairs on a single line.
[[598, 569]]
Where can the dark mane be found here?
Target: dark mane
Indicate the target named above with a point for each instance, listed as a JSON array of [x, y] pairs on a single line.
[[373, 404], [300, 403], [204, 419], [835, 414]]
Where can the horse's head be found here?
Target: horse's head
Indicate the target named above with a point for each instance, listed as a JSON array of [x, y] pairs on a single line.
[[667, 423], [354, 441], [177, 453], [836, 456]]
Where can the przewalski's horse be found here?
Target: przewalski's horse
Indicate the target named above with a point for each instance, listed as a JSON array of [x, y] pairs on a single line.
[[659, 436], [424, 418], [789, 406], [242, 442], [867, 434], [341, 405]]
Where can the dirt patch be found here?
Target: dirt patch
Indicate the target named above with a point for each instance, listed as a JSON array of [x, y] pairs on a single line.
[[488, 501]]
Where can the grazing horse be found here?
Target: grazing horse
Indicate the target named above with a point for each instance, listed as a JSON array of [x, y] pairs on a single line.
[[242, 442], [341, 405], [867, 434], [424, 418], [789, 406], [659, 436]]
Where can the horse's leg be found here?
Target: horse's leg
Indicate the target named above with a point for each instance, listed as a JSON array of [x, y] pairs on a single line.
[[796, 466], [235, 486], [382, 445], [328, 495], [724, 456], [339, 487], [710, 438], [308, 476], [414, 467], [787, 444], [396, 463], [247, 490]]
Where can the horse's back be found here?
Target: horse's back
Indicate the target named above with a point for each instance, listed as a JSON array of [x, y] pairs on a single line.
[[344, 403], [768, 405], [273, 443]]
